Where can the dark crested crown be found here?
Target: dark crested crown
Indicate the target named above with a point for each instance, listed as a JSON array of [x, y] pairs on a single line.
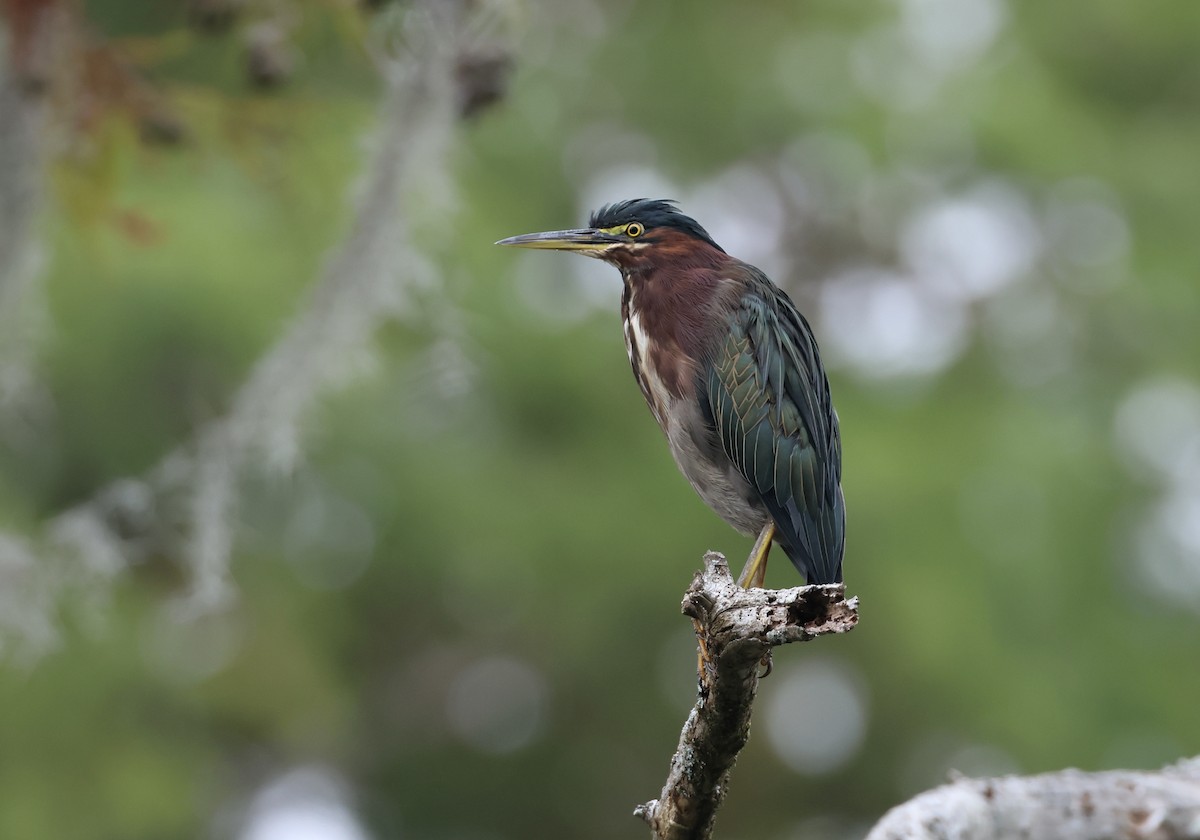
[[652, 213]]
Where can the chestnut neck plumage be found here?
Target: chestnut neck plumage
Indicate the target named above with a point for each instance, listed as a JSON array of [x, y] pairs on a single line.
[[668, 313]]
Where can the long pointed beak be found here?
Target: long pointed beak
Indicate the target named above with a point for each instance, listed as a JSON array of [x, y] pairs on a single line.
[[583, 239]]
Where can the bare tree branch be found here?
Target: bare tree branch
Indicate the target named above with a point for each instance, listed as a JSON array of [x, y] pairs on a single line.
[[1068, 805], [737, 628]]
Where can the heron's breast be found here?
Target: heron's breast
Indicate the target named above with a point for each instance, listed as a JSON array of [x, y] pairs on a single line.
[[710, 471]]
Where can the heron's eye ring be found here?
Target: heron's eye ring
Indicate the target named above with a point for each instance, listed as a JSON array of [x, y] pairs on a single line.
[[634, 230]]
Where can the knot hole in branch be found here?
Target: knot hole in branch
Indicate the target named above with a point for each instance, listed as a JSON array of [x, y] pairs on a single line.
[[812, 608]]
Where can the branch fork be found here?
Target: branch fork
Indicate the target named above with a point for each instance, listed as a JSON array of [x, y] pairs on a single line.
[[736, 629]]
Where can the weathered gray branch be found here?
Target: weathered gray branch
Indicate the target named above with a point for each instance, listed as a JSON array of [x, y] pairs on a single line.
[[1068, 805], [736, 628]]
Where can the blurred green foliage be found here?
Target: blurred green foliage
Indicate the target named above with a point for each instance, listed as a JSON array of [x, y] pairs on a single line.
[[519, 540]]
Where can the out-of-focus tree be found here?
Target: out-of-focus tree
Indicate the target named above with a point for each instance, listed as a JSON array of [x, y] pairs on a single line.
[[183, 508]]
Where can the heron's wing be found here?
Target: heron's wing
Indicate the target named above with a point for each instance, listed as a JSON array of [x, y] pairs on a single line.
[[769, 402]]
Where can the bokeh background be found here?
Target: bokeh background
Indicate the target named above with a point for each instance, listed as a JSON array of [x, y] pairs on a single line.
[[321, 518]]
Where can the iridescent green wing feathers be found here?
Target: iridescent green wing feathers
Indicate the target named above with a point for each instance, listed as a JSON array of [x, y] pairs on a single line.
[[769, 403]]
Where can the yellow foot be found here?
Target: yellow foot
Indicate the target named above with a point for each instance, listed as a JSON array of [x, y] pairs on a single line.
[[756, 567]]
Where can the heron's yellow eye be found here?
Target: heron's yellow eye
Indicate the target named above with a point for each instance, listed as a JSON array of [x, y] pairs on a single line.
[[634, 229]]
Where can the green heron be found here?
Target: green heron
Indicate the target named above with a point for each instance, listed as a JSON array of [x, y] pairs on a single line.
[[731, 372]]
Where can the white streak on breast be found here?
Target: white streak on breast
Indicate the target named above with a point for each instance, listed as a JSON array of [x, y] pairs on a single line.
[[641, 353], [637, 333]]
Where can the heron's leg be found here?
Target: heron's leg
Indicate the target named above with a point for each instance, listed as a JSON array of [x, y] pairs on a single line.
[[756, 566], [702, 652]]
